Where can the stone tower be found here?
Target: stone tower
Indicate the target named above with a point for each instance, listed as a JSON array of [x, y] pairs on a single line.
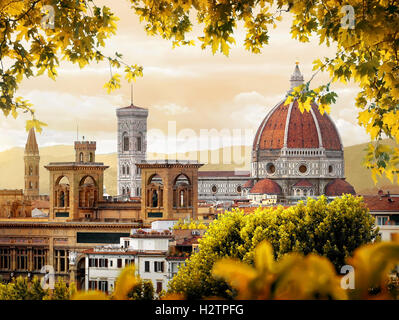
[[132, 148], [85, 151], [31, 160]]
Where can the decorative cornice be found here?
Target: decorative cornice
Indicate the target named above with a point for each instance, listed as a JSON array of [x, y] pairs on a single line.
[[67, 225]]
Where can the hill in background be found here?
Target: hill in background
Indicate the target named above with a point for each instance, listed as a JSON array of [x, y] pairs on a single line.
[[12, 166]]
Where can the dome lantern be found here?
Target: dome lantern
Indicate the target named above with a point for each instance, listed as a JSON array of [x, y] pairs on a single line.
[[296, 77]]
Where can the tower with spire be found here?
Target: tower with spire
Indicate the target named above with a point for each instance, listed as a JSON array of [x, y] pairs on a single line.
[[297, 77], [32, 160]]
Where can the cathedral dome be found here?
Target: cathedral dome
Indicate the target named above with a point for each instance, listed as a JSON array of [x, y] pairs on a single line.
[[285, 126], [266, 186], [338, 187]]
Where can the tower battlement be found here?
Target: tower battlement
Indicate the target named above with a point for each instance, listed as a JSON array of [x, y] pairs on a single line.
[[85, 151]]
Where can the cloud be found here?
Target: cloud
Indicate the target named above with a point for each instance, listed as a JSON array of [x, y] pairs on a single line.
[[172, 109], [351, 134]]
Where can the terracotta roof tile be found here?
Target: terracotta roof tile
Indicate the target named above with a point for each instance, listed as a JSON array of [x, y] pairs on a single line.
[[377, 203], [303, 183], [337, 187], [302, 131], [266, 186]]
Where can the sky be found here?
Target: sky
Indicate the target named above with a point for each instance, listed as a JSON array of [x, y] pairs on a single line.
[[187, 90]]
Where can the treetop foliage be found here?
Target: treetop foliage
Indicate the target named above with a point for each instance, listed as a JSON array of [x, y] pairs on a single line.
[[333, 230]]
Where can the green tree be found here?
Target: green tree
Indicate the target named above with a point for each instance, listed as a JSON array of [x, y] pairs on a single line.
[[333, 230], [144, 290], [22, 288]]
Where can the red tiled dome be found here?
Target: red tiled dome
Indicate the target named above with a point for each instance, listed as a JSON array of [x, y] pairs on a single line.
[[337, 187], [303, 130], [303, 183], [248, 184], [266, 186]]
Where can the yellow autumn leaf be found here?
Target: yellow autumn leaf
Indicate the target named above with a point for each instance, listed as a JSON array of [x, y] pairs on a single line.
[[125, 283], [264, 258], [89, 295], [236, 273]]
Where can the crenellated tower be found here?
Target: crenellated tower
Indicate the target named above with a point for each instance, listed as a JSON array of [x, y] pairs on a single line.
[[85, 151]]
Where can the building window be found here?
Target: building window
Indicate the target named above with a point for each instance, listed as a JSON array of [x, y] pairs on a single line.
[[92, 285], [119, 263], [123, 170], [330, 168], [159, 286], [125, 143], [158, 266], [103, 286], [61, 260], [103, 263], [22, 259], [81, 157], [129, 262], [214, 189], [270, 168], [146, 266], [91, 157], [5, 258], [126, 244], [39, 258], [239, 189], [382, 220], [138, 143], [303, 168], [127, 170]]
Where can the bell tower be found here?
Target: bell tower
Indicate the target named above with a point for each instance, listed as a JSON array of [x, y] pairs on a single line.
[[132, 148], [31, 160]]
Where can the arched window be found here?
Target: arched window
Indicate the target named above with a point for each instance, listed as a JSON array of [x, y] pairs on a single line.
[[123, 170], [81, 157], [91, 157], [182, 198], [128, 191], [125, 142], [138, 143], [127, 170], [154, 199]]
